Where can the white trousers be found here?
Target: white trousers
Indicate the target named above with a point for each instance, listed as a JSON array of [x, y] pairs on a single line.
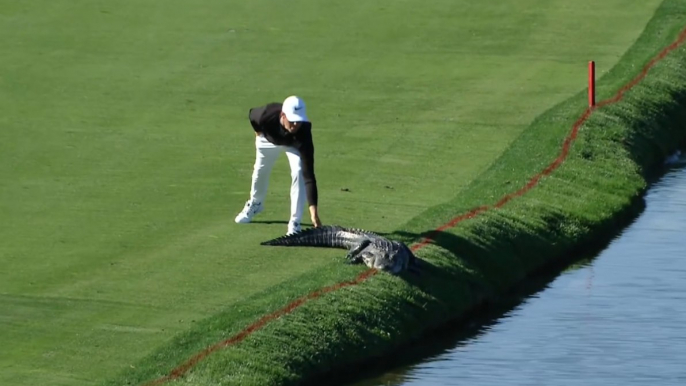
[[266, 155]]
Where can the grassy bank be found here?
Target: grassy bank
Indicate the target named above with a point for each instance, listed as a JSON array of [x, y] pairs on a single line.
[[597, 186]]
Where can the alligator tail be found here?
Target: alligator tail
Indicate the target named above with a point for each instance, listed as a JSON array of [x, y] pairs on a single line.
[[325, 236]]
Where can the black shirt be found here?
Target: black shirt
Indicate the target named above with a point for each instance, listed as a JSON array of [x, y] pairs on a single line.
[[265, 120]]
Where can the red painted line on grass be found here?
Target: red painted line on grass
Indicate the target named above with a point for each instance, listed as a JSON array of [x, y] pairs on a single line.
[[471, 214], [190, 363]]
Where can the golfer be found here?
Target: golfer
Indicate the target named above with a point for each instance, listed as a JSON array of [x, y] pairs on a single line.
[[283, 127]]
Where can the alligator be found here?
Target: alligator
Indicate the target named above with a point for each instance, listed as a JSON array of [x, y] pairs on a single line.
[[363, 246]]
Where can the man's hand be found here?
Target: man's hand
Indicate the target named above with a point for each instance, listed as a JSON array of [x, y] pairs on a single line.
[[314, 216], [316, 221]]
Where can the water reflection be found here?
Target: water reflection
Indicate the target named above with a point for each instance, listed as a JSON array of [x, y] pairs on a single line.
[[616, 319]]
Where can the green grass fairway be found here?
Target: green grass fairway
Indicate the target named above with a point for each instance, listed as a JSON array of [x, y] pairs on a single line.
[[125, 150]]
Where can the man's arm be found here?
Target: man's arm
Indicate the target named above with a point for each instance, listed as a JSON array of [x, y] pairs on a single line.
[[306, 149]]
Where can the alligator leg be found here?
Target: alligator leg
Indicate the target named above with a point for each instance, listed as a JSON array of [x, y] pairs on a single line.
[[353, 254]]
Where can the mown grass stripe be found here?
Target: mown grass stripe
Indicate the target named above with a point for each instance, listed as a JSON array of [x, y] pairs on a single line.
[[533, 182]]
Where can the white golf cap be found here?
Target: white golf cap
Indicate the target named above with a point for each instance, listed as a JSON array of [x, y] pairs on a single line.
[[294, 108]]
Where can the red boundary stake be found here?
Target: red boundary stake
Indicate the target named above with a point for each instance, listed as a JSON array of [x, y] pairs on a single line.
[[591, 84], [187, 365]]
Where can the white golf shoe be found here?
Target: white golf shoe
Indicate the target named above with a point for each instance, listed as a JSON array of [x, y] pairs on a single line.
[[249, 211], [293, 227]]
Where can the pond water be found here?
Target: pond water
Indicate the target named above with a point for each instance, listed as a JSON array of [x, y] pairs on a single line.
[[618, 318]]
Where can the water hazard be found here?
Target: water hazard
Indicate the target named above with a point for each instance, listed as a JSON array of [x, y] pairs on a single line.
[[618, 318]]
